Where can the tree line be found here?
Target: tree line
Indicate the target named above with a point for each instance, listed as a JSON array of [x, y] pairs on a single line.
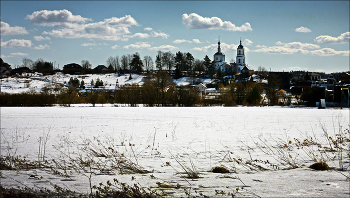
[[179, 62]]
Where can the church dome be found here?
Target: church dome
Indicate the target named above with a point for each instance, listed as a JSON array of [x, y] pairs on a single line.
[[240, 46], [219, 53]]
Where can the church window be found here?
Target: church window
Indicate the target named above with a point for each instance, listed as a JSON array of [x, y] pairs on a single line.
[[239, 60], [239, 52]]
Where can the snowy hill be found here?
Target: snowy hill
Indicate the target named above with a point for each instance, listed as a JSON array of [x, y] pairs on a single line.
[[35, 83]]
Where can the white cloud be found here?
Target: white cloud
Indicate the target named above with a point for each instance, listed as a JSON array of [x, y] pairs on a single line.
[[280, 50], [41, 47], [138, 35], [299, 48], [55, 18], [16, 43], [6, 29], [181, 41], [186, 41], [19, 54], [329, 52], [164, 48], [40, 38], [115, 47], [76, 26], [88, 44], [343, 38], [213, 47], [92, 31], [92, 44], [159, 34], [196, 41], [297, 68], [138, 45], [195, 21], [109, 29], [247, 42], [287, 48], [298, 45], [16, 55], [302, 29]]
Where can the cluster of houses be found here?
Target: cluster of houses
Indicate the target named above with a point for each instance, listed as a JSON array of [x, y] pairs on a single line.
[[72, 68]]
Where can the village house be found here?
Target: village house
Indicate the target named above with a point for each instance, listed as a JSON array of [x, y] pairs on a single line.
[[101, 69], [21, 70], [72, 68], [201, 88]]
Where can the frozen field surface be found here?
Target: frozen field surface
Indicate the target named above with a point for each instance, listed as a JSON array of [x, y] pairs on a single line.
[[170, 142]]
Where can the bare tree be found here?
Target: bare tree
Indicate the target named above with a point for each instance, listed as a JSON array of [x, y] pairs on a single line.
[[117, 63], [26, 62], [85, 64], [124, 63], [130, 57], [168, 59], [111, 61], [148, 63], [199, 66]]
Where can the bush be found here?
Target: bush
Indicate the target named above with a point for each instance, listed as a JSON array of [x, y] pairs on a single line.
[[27, 99], [320, 166], [220, 169]]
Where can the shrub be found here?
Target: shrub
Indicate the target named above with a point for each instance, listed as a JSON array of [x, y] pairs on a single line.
[[320, 166], [220, 169]]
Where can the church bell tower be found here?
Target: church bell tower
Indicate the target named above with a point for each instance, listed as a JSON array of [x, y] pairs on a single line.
[[240, 58]]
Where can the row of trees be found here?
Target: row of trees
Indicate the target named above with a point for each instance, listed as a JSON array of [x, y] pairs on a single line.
[[181, 62], [164, 61]]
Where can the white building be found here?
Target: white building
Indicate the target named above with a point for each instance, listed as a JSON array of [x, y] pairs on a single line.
[[219, 59], [240, 58]]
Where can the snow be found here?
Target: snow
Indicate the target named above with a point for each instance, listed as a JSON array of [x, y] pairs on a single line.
[[35, 83], [198, 137]]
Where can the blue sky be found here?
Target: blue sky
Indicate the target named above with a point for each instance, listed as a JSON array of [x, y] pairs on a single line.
[[277, 35]]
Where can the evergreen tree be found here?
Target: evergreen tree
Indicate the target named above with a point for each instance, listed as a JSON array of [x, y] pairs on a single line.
[[208, 65], [159, 61], [207, 61], [189, 61], [254, 96], [136, 63], [6, 65]]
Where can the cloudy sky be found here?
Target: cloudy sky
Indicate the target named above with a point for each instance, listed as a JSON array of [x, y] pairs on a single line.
[[277, 35]]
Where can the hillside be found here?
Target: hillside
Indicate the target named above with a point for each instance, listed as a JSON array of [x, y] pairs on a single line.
[[110, 81]]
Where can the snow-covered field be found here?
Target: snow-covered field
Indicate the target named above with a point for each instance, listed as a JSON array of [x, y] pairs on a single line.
[[168, 140]]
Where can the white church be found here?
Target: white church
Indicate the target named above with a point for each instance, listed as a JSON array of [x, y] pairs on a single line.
[[237, 67]]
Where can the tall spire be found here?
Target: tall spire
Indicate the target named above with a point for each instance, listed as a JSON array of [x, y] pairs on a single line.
[[240, 41], [219, 49]]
